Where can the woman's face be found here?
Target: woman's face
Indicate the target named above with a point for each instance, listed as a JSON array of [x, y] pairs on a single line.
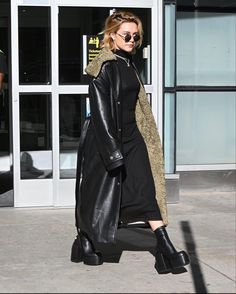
[[121, 37]]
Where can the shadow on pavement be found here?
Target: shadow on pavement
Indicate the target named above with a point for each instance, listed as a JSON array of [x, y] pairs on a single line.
[[128, 239], [131, 239], [197, 275]]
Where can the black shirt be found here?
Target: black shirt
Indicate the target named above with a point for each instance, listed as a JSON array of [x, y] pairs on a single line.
[[129, 88]]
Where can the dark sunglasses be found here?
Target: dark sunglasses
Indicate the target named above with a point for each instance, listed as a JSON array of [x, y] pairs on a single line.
[[128, 37]]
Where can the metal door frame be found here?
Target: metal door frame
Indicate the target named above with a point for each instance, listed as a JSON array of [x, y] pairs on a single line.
[[56, 191]]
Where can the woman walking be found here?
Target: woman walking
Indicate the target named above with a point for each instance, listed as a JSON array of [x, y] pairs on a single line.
[[120, 170]]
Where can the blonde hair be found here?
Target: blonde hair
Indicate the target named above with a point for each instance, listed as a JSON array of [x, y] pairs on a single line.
[[113, 23]]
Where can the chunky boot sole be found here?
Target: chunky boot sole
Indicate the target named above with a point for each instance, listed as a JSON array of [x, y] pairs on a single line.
[[162, 264], [93, 259], [165, 265], [76, 251], [78, 255], [179, 259]]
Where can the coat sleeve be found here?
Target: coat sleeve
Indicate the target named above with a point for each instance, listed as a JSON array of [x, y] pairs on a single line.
[[108, 142]]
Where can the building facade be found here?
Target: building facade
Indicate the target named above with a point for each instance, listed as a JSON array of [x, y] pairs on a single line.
[[187, 63]]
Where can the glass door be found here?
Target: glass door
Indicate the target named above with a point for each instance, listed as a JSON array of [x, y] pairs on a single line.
[[54, 42], [6, 169]]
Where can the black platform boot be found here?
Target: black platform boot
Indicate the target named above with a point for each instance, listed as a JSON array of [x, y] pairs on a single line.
[[83, 250], [167, 258]]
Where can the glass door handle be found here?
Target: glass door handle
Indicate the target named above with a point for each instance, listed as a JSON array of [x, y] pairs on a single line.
[[147, 55]]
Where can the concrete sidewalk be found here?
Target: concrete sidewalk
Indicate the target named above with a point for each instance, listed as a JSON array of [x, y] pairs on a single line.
[[35, 249]]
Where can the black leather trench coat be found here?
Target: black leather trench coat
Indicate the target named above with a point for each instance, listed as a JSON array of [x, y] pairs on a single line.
[[98, 181], [100, 160]]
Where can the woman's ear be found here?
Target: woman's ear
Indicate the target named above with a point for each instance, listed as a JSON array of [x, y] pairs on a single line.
[[112, 35]]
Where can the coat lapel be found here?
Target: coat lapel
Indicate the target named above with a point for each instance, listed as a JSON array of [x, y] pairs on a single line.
[[147, 126], [95, 65]]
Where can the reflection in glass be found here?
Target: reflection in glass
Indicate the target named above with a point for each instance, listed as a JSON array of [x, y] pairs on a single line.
[[170, 45], [72, 112], [206, 128], [169, 124], [34, 45], [35, 136], [75, 23], [149, 97], [6, 170]]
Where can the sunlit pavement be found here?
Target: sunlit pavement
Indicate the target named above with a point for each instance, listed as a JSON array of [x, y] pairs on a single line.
[[35, 246]]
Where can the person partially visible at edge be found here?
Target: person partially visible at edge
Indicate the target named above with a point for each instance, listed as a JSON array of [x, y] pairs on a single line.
[[120, 170], [3, 68]]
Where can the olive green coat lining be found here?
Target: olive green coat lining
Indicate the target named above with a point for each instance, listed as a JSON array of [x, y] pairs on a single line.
[[147, 127]]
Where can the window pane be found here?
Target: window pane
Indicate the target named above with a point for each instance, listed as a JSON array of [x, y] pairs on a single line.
[[206, 48], [169, 144], [75, 23], [169, 45], [72, 110], [35, 136], [34, 45], [206, 128], [6, 169]]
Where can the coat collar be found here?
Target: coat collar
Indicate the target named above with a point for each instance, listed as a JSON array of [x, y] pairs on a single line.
[[95, 65]]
